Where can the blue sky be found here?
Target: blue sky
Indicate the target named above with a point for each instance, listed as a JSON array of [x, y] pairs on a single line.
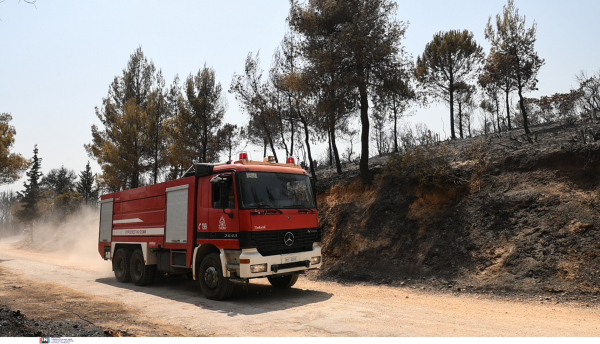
[[58, 58]]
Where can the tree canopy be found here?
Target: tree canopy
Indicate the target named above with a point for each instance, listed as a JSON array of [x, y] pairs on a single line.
[[123, 147], [498, 75], [451, 57], [150, 130], [510, 38], [12, 165], [253, 94], [60, 180], [358, 42], [199, 117]]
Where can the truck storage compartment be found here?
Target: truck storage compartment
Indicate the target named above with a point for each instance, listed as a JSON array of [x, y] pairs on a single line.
[[173, 262]]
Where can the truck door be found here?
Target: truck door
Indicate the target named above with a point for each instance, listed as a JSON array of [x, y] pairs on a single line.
[[106, 220], [223, 221], [177, 216]]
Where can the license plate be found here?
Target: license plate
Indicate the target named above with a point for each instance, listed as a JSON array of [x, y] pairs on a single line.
[[291, 259]]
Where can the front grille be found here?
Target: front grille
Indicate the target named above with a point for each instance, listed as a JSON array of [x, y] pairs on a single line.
[[273, 242]]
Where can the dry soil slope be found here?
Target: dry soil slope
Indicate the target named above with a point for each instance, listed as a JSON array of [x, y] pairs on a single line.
[[507, 212]]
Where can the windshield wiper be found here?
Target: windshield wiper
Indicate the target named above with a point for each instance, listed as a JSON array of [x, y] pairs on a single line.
[[263, 205], [296, 206]]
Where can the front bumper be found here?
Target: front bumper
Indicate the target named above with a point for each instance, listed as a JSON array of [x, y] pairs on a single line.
[[278, 264]]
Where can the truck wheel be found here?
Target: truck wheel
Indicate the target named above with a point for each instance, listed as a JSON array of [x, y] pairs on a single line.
[[141, 274], [121, 265], [283, 282], [213, 284]]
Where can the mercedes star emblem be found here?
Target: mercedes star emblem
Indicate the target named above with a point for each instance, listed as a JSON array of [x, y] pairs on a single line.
[[288, 239]]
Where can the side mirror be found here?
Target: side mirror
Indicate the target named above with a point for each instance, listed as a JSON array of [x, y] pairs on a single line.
[[222, 182]]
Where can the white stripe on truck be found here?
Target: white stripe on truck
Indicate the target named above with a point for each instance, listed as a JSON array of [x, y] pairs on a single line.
[[127, 221], [139, 231]]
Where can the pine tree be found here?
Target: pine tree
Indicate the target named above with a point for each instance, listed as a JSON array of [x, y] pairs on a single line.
[[125, 144], [252, 93], [85, 186], [396, 94], [30, 197], [364, 38], [195, 117], [158, 114], [59, 180], [450, 58], [11, 165], [516, 43], [230, 137], [206, 107]]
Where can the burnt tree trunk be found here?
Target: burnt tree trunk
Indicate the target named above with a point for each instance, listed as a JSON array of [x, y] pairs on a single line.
[[364, 138]]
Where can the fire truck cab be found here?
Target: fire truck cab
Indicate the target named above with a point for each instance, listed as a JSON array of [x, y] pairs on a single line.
[[219, 224]]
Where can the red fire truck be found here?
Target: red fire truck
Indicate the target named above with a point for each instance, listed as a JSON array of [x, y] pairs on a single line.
[[219, 223]]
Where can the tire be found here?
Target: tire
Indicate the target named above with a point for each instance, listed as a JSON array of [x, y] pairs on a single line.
[[283, 282], [141, 274], [121, 265], [213, 284]]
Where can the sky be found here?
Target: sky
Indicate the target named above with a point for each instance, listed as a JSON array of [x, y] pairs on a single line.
[[58, 58]]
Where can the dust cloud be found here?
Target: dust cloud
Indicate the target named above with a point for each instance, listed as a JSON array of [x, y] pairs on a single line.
[[72, 243]]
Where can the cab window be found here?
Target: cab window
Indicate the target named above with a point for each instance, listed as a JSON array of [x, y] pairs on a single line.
[[216, 196]]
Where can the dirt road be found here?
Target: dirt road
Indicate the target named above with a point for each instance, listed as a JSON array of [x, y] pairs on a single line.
[[52, 286]]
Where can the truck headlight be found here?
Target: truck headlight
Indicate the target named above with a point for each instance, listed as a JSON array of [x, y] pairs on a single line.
[[315, 260], [258, 268]]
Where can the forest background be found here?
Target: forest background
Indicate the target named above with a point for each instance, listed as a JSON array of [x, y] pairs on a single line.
[[68, 59]]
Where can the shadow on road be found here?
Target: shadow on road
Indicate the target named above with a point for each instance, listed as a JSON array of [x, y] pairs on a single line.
[[247, 298]]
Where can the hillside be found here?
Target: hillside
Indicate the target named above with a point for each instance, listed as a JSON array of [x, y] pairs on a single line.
[[505, 213]]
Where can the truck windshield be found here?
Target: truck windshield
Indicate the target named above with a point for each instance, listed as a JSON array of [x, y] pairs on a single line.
[[275, 190]]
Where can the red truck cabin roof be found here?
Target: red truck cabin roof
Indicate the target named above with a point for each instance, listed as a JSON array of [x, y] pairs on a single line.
[[260, 167], [238, 166]]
